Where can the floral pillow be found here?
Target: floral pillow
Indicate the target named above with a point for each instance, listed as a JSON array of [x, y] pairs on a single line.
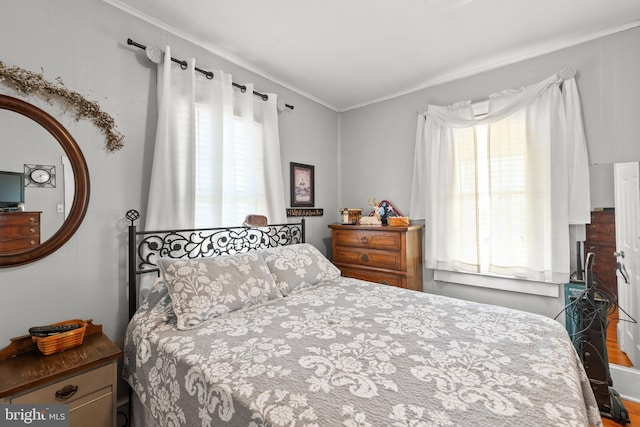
[[204, 288], [298, 266]]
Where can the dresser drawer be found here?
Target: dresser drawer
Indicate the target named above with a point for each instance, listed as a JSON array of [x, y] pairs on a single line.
[[20, 218], [601, 237], [601, 251], [19, 244], [387, 240], [368, 257], [603, 217], [10, 232], [87, 383], [374, 276]]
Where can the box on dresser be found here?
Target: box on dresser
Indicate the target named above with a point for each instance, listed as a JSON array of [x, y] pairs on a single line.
[[381, 254]]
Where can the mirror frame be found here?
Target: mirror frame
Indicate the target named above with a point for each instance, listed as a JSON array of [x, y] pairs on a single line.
[[80, 178]]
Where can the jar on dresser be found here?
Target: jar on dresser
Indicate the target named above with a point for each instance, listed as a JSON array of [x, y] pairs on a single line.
[[381, 254]]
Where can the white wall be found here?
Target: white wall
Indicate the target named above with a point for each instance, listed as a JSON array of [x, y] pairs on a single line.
[[608, 70], [84, 43]]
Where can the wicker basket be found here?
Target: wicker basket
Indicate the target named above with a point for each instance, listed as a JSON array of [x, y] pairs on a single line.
[[62, 341]]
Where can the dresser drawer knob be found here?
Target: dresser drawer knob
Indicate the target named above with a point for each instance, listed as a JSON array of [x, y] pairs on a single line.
[[364, 258], [32, 219], [32, 230], [364, 240], [66, 392]]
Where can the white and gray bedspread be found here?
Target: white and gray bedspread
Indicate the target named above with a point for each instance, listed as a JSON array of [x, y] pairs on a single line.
[[352, 353]]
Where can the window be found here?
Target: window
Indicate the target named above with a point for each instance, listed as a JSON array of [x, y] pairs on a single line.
[[242, 182], [490, 196], [499, 194]]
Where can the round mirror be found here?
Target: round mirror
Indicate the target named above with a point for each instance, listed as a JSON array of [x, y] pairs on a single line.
[[79, 175]]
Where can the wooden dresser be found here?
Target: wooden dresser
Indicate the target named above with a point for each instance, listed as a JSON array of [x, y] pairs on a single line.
[[19, 230], [381, 254], [601, 240], [84, 377]]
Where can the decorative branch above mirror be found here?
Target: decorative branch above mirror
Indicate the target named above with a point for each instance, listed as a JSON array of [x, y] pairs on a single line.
[[30, 83]]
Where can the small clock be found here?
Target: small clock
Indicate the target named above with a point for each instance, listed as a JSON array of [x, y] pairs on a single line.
[[40, 176]]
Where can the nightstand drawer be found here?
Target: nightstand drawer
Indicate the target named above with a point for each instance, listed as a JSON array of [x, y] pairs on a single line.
[[373, 276], [95, 410], [87, 383], [387, 240], [371, 258]]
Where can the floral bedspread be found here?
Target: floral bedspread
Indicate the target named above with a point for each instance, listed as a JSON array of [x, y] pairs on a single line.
[[351, 353]]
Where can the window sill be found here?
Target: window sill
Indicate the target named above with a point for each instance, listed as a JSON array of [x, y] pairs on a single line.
[[501, 283]]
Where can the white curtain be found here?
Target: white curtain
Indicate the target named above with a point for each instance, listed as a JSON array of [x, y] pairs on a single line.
[[206, 172], [535, 190]]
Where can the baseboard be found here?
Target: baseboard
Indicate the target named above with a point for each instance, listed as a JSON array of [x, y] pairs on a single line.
[[626, 381]]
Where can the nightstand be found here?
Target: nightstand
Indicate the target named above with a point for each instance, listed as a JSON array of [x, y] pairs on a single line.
[[379, 253], [84, 377]]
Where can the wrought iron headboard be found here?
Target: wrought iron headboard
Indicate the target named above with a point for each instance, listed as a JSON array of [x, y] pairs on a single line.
[[145, 247]]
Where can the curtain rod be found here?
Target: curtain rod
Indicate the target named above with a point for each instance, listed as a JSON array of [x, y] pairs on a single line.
[[208, 74]]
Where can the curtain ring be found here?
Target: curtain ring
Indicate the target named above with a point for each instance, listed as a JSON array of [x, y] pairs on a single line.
[[209, 75], [243, 88], [183, 65], [265, 97]]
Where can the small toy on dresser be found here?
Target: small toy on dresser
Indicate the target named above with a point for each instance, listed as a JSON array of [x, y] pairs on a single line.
[[384, 213]]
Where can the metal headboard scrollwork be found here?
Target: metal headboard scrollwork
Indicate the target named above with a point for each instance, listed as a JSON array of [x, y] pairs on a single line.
[[146, 247]]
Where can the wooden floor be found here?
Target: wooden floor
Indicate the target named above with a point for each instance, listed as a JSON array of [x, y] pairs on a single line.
[[634, 414], [616, 356]]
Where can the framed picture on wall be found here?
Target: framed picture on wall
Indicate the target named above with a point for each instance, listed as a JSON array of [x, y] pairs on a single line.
[[302, 185]]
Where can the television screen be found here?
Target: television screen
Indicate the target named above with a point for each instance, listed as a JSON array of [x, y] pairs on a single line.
[[11, 189]]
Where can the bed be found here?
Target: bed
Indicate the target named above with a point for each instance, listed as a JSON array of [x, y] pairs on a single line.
[[274, 336]]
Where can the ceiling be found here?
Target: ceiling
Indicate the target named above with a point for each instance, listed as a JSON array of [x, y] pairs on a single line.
[[349, 53]]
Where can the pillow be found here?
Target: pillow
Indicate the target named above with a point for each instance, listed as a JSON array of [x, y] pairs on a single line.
[[298, 266], [204, 288]]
